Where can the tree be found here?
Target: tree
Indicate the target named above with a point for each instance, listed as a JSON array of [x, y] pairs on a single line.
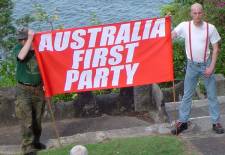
[[7, 30], [7, 42]]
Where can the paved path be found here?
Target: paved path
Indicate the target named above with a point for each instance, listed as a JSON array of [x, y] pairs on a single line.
[[11, 135], [200, 132], [84, 129]]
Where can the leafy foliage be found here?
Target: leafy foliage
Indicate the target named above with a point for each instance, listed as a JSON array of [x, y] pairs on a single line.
[[179, 59], [7, 42], [94, 19], [7, 35], [215, 14], [7, 72], [25, 20], [6, 28], [64, 97], [40, 15]]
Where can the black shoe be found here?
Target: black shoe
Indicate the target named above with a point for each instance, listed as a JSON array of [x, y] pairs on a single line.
[[179, 127], [39, 146], [218, 128], [31, 153]]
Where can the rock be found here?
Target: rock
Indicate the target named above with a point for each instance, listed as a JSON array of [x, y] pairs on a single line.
[[64, 110], [79, 150], [86, 104], [150, 98], [220, 84], [7, 106], [126, 99], [100, 136], [108, 103], [158, 98], [168, 92], [143, 98]]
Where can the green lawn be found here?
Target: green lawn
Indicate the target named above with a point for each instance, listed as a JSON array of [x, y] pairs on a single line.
[[151, 145]]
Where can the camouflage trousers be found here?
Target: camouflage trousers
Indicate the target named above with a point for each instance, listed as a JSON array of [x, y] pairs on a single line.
[[30, 105]]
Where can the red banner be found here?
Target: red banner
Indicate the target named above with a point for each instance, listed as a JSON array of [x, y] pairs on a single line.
[[105, 56]]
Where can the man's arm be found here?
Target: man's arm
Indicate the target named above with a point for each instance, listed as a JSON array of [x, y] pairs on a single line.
[[173, 34], [209, 70], [24, 51]]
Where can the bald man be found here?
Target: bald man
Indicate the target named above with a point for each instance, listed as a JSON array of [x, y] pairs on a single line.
[[201, 62]]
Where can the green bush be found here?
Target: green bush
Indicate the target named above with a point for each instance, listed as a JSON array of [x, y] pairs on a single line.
[[179, 59], [215, 14], [64, 97], [7, 73], [7, 42]]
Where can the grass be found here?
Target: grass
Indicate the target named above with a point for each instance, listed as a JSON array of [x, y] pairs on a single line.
[[150, 145]]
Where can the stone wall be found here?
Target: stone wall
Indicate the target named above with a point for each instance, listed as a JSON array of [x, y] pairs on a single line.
[[220, 85], [7, 108], [145, 98], [7, 112], [150, 98], [199, 94]]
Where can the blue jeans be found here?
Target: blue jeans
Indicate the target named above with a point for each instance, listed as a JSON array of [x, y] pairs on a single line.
[[193, 72]]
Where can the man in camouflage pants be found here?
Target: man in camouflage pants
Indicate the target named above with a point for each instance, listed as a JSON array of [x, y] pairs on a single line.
[[30, 101]]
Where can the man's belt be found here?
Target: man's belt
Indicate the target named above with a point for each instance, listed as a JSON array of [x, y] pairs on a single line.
[[28, 84]]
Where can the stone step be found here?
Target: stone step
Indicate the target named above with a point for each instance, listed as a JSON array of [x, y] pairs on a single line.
[[199, 108], [201, 136], [96, 137]]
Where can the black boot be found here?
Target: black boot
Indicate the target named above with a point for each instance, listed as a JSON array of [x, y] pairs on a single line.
[[31, 153], [39, 146], [179, 127], [218, 128]]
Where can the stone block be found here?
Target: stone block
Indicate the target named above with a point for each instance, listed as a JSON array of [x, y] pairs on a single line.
[[220, 84], [142, 98]]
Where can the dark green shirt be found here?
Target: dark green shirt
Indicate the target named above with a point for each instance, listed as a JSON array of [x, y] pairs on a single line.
[[27, 70]]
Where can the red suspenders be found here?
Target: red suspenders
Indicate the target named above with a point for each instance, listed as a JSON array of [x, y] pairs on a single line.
[[207, 40], [206, 44]]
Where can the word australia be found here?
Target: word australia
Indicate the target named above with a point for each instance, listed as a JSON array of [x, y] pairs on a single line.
[[102, 56]]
